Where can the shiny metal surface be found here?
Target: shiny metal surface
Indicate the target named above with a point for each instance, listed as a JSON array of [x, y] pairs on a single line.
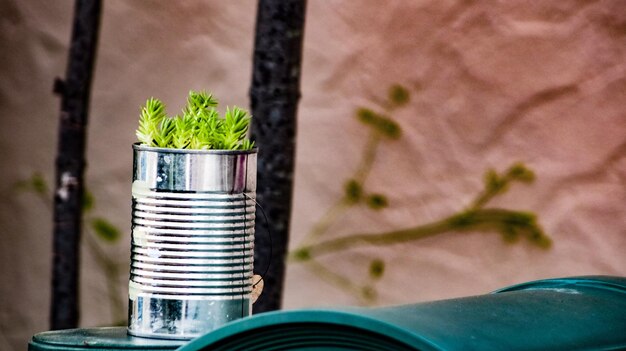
[[192, 248], [224, 171]]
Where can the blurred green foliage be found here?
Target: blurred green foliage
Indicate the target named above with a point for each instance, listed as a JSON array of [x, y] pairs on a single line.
[[511, 224], [99, 230]]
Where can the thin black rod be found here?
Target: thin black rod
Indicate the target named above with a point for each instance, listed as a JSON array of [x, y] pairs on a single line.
[[274, 99], [70, 163]]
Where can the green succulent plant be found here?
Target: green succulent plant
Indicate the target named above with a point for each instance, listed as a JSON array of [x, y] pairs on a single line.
[[199, 127]]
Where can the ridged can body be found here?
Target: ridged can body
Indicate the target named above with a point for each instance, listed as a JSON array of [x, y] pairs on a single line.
[[192, 250]]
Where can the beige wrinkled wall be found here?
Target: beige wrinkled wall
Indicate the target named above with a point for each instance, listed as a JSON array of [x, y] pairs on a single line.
[[491, 83]]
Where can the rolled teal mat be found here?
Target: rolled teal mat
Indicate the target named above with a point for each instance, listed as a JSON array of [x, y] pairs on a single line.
[[580, 313]]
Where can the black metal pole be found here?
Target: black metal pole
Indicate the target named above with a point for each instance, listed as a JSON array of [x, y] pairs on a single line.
[[274, 99], [70, 163]]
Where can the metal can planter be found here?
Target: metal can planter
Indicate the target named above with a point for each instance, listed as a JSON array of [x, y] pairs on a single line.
[[193, 214]]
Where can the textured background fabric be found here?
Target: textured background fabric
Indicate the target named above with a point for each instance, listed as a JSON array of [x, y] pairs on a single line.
[[491, 83]]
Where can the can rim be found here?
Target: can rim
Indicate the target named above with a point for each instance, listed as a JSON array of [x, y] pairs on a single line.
[[140, 147]]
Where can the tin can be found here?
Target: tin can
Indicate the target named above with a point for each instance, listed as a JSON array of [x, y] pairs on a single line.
[[192, 250]]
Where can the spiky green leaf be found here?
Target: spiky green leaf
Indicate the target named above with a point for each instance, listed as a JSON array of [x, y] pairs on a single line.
[[353, 191], [377, 201], [398, 95], [105, 230], [88, 202], [520, 172], [199, 126], [381, 123], [36, 183], [150, 119], [376, 269]]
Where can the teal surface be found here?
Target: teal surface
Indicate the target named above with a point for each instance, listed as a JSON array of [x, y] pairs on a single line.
[[581, 313], [97, 339]]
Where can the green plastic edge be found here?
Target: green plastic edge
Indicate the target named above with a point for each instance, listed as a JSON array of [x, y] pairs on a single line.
[[321, 316], [97, 339], [371, 324], [617, 284]]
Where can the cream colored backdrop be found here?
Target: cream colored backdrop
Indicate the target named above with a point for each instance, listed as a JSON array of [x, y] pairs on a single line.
[[491, 83]]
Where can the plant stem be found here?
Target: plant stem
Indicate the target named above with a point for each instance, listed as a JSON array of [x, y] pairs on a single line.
[[341, 206], [369, 156], [339, 280], [489, 192], [464, 221], [482, 199], [111, 271], [330, 217]]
